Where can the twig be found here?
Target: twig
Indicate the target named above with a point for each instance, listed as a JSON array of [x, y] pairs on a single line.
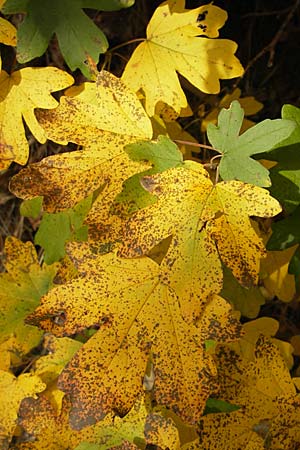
[[195, 144], [270, 48]]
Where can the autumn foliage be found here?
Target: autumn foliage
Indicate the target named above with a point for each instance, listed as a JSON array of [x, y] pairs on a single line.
[[134, 328]]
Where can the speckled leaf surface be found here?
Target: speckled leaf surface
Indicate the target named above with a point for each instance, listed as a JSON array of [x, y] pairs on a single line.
[[20, 291], [269, 404], [174, 44], [20, 93], [136, 312], [50, 428], [105, 109], [207, 222], [12, 391]]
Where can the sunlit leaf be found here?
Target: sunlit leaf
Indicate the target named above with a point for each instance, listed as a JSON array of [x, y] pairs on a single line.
[[135, 312], [20, 93], [203, 222], [174, 44], [236, 150]]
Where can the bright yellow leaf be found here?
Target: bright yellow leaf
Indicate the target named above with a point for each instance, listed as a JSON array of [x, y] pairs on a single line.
[[275, 276], [175, 43], [20, 94], [12, 391], [206, 222], [105, 113], [136, 313]]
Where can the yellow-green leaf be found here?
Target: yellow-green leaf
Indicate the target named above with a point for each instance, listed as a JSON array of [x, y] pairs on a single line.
[[270, 407], [175, 43], [20, 291]]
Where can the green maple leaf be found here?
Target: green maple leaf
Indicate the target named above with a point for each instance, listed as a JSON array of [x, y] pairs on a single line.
[[236, 150], [77, 35], [285, 175], [62, 227]]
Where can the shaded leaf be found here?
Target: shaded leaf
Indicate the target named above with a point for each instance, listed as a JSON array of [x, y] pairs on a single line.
[[20, 291], [285, 232], [246, 300], [173, 45], [78, 36], [20, 93], [135, 311], [275, 276], [62, 227], [162, 154], [249, 104], [49, 428], [12, 391], [31, 208], [236, 150]]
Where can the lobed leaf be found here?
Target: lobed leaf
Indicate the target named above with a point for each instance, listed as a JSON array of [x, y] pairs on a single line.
[[207, 222], [20, 93], [236, 150], [178, 41], [135, 312]]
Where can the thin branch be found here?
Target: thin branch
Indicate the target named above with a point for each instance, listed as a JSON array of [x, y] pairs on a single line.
[[195, 144], [132, 41], [270, 48]]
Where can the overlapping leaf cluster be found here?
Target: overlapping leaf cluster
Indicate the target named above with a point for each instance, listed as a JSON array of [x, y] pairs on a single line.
[[140, 334]]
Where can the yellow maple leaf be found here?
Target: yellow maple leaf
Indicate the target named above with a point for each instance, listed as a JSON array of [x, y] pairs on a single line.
[[51, 430], [91, 167], [206, 222], [20, 93], [174, 44], [12, 391], [265, 326], [275, 276], [105, 112], [136, 312], [269, 405], [249, 104]]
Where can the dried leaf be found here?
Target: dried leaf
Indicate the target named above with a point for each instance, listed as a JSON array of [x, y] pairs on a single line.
[[12, 391], [135, 312]]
